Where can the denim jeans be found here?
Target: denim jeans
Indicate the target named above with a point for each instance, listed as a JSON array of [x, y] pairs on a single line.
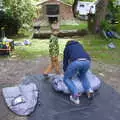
[[79, 67]]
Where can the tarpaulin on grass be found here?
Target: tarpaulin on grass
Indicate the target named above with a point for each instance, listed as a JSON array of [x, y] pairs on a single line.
[[56, 106]]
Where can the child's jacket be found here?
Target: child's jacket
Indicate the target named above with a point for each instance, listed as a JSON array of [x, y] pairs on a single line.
[[53, 46]]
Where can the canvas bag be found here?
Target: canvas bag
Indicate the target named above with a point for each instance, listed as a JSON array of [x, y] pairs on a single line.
[[21, 99]]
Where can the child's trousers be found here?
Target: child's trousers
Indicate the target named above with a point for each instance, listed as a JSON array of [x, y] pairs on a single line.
[[53, 66]]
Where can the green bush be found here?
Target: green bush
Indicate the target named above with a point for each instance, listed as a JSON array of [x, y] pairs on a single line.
[[19, 13], [114, 13], [106, 25], [117, 27], [11, 25]]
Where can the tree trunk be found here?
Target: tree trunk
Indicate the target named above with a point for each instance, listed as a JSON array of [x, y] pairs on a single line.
[[74, 7], [101, 11]]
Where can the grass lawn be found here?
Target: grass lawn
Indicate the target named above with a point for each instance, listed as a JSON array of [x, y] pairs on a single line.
[[36, 49], [74, 27], [99, 50], [95, 45]]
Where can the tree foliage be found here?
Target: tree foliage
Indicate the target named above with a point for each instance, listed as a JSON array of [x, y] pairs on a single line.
[[22, 10], [16, 14], [112, 19], [9, 23], [72, 1]]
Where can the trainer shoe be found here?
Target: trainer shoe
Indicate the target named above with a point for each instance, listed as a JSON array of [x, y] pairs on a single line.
[[90, 95], [46, 76], [75, 99]]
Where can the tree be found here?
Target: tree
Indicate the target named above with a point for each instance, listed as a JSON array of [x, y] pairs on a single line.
[[23, 10], [17, 14], [101, 11], [74, 7]]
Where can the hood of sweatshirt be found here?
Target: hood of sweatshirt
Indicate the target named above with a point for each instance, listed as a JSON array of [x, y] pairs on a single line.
[[72, 42]]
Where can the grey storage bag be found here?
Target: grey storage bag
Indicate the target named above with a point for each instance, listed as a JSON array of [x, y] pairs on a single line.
[[59, 85], [21, 99]]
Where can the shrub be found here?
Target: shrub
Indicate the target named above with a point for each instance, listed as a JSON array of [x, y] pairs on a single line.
[[11, 25], [106, 25]]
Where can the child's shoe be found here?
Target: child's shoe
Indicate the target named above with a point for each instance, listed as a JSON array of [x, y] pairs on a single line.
[[90, 95], [46, 76], [75, 99]]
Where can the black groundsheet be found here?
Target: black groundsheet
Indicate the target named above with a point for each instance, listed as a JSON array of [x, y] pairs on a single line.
[[56, 106]]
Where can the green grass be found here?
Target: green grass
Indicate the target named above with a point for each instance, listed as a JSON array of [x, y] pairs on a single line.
[[36, 49], [98, 49], [96, 46], [74, 27]]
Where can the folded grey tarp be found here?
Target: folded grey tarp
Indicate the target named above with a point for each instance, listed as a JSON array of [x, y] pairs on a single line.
[[56, 106], [21, 99]]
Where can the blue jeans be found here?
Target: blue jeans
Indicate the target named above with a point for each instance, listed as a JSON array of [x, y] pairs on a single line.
[[80, 67]]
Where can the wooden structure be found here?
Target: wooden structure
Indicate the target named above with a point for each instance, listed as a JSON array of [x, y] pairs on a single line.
[[52, 10]]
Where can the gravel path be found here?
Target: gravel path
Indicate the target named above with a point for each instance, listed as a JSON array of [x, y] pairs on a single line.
[[12, 72]]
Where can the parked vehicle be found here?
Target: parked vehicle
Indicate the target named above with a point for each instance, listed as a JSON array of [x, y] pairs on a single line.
[[83, 8]]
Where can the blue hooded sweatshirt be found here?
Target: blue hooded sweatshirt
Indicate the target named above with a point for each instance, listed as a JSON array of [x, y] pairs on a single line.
[[72, 52]]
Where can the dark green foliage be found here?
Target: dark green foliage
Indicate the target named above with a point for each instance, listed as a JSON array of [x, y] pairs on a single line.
[[112, 21], [18, 14], [114, 10], [9, 23], [106, 25]]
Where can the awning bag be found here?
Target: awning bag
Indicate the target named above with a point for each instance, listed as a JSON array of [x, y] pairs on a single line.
[[21, 99]]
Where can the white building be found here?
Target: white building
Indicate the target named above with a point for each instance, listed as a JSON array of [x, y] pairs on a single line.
[[84, 8]]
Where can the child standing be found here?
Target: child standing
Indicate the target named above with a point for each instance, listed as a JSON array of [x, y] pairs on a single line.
[[53, 52]]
